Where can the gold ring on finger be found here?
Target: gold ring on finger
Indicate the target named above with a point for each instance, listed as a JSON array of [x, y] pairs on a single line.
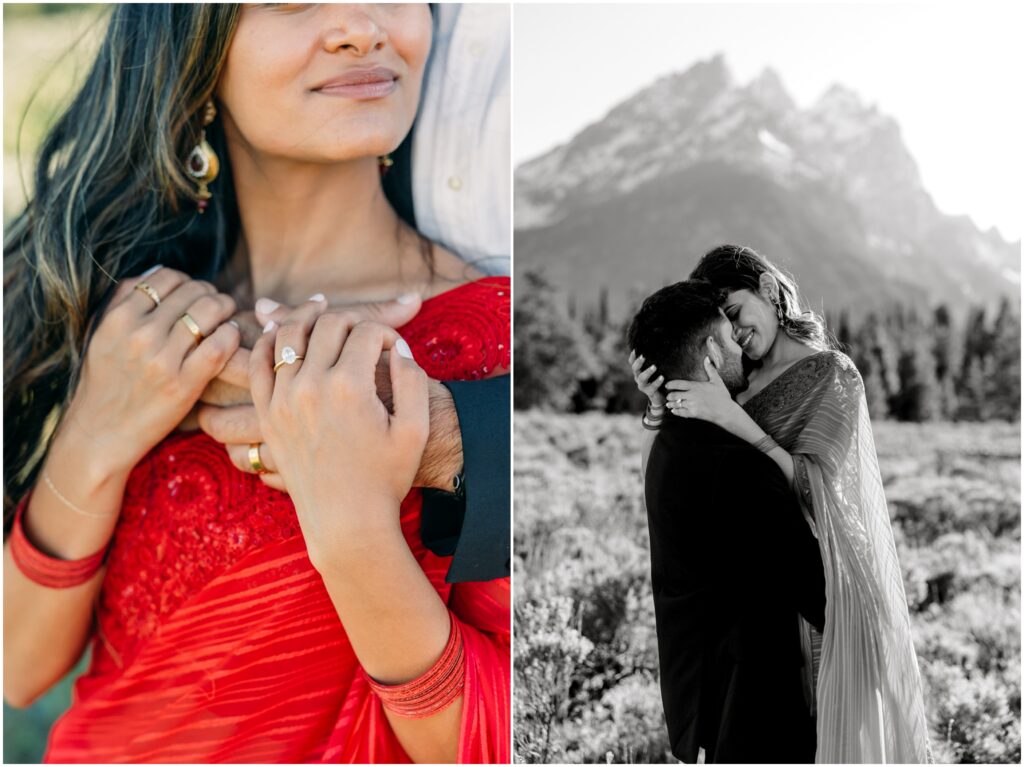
[[193, 327], [288, 357], [254, 458], [149, 290]]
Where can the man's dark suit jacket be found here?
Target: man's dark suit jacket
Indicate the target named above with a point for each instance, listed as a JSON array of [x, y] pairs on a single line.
[[472, 528], [732, 563]]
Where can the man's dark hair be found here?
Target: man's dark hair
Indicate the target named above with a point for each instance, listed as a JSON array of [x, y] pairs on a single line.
[[672, 325]]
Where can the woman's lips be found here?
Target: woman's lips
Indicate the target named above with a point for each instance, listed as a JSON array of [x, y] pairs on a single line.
[[373, 83], [745, 340], [376, 90]]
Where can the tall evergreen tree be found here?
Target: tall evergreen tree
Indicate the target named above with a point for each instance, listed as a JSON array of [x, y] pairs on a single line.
[[1003, 389], [947, 351], [919, 397], [844, 333]]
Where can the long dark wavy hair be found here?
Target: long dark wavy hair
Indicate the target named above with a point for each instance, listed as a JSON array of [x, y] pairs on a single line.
[[736, 267], [111, 199]]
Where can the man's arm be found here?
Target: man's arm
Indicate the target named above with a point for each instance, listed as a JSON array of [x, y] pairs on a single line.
[[475, 524]]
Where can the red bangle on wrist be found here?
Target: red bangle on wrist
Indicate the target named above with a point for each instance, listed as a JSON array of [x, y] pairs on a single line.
[[43, 569], [432, 692]]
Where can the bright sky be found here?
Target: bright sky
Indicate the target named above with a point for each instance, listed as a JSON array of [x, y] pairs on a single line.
[[950, 75]]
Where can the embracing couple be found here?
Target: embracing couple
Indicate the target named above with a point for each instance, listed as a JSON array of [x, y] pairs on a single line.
[[783, 629]]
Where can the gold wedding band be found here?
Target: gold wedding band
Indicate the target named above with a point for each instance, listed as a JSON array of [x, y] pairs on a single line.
[[145, 287], [193, 327], [295, 359], [254, 458]]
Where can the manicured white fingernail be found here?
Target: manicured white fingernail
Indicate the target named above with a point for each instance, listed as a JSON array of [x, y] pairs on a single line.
[[407, 298], [403, 349], [317, 297], [269, 326], [267, 306], [151, 270], [232, 322]]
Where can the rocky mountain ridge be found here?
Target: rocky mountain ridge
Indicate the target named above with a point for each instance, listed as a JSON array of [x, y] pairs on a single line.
[[695, 159]]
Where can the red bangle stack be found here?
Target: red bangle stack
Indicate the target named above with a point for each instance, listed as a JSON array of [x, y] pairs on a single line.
[[432, 692], [46, 570]]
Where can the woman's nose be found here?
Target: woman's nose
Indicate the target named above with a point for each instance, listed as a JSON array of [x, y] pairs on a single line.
[[352, 28]]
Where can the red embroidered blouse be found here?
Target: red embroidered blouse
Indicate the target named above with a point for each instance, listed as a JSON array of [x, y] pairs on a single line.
[[216, 639]]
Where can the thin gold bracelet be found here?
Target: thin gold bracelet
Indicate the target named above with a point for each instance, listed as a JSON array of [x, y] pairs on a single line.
[[69, 504]]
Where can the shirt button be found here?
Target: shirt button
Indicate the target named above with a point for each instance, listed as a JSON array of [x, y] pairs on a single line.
[[454, 183], [476, 49]]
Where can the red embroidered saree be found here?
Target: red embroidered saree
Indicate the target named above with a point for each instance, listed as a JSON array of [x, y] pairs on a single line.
[[216, 640]]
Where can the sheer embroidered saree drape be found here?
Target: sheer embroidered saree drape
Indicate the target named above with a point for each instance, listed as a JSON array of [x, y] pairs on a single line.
[[869, 701]]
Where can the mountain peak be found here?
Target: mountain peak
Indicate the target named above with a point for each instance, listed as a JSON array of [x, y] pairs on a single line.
[[768, 89], [839, 98], [714, 71]]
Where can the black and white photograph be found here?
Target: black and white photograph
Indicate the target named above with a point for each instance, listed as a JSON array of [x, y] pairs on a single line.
[[767, 384]]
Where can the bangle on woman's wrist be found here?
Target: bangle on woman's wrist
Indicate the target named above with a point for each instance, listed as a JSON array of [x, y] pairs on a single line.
[[651, 424], [44, 570], [653, 416], [434, 690], [766, 445]]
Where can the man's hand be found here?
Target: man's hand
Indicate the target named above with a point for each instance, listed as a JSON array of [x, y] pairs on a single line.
[[226, 413]]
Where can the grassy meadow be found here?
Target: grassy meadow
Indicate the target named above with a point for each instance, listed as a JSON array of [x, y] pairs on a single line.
[[586, 661]]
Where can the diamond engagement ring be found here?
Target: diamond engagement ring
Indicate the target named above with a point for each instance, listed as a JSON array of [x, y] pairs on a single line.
[[288, 357]]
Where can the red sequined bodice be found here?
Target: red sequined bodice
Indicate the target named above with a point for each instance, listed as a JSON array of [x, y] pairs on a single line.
[[189, 514]]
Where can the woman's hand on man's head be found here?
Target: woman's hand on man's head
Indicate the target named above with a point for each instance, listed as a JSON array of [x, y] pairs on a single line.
[[645, 379]]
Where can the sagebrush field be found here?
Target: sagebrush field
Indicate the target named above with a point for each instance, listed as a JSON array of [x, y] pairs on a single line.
[[586, 663]]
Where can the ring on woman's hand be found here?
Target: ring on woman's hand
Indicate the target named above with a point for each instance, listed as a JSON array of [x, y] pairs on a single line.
[[254, 458], [288, 357], [193, 327], [145, 287]]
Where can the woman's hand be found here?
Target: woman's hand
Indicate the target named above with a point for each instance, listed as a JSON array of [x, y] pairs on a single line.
[[708, 401], [145, 368], [347, 461], [645, 382], [225, 410]]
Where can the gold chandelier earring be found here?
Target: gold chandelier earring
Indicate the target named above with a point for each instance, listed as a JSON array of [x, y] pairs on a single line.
[[203, 164]]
